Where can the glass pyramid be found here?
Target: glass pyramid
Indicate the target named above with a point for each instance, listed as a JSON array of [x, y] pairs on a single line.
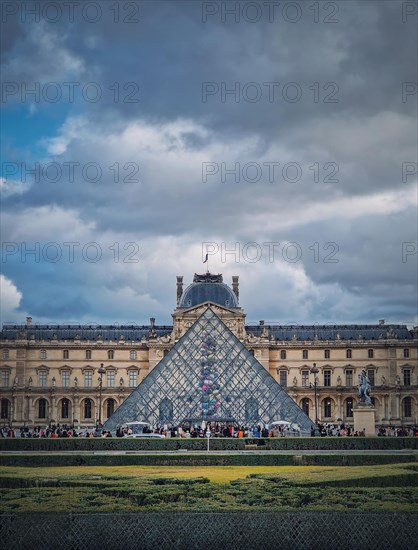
[[209, 375]]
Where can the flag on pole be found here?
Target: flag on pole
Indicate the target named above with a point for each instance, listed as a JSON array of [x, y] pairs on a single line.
[[206, 258]]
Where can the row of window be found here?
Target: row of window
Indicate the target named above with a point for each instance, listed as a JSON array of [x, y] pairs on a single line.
[[87, 408], [327, 406], [133, 354], [327, 382], [133, 378], [65, 379], [348, 353], [64, 406]]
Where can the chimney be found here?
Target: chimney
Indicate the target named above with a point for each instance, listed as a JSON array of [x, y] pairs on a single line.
[[179, 288], [235, 285], [381, 321], [261, 323], [152, 322], [28, 320]]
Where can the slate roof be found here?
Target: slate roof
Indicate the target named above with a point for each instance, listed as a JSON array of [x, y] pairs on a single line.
[[333, 332], [218, 293], [84, 332], [136, 332]]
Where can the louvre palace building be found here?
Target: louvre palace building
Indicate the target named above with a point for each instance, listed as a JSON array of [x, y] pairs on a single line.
[[81, 375]]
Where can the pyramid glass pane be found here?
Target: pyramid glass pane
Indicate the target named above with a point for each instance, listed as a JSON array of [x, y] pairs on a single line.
[[209, 375]]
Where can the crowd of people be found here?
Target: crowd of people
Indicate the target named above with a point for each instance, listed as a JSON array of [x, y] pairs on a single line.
[[201, 431]]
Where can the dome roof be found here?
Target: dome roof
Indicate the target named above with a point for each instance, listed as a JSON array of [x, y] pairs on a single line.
[[208, 288]]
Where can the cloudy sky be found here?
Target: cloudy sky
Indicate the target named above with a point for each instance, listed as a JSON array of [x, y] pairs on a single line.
[[281, 139]]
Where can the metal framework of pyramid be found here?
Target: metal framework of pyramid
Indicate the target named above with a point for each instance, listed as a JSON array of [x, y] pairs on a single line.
[[209, 375]]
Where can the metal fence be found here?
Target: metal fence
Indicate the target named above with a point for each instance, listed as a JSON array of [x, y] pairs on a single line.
[[228, 530]]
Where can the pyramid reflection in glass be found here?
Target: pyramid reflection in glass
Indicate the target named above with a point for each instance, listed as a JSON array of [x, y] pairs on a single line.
[[209, 375]]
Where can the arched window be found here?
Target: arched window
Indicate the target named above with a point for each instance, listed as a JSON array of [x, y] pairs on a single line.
[[42, 406], [88, 353], [111, 354], [327, 353], [370, 353], [348, 354], [5, 407], [349, 407], [65, 354], [327, 407], [166, 352], [304, 354], [87, 408], [110, 407], [305, 405], [166, 410], [65, 408], [132, 355], [407, 407], [283, 354], [251, 410]]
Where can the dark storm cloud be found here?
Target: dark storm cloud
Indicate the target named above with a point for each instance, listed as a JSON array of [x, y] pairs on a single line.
[[355, 117]]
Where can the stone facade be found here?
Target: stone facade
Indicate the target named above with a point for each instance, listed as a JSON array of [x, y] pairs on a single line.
[[50, 374]]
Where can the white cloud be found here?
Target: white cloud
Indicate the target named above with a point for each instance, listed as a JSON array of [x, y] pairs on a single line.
[[10, 301]]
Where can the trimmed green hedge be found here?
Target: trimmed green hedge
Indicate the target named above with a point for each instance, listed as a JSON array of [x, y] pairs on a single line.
[[216, 444], [28, 460]]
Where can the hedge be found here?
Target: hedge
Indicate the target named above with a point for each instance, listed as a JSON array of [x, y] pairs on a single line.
[[216, 444], [28, 460]]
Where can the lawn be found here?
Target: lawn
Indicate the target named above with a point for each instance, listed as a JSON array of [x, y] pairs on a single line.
[[391, 487]]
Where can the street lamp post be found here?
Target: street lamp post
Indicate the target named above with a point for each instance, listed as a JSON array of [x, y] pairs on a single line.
[[101, 372], [314, 371]]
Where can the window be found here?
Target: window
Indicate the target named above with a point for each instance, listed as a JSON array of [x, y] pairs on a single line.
[[5, 376], [4, 409], [65, 407], [65, 354], [349, 407], [42, 354], [327, 378], [326, 353], [6, 354], [110, 376], [304, 354], [407, 407], [132, 355], [305, 406], [305, 378], [370, 374], [42, 408], [349, 354], [87, 408], [166, 351], [110, 407], [111, 354], [283, 354], [88, 379], [349, 378], [370, 354], [327, 408], [283, 378], [88, 353], [407, 377], [65, 378], [132, 379], [42, 378], [406, 353]]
